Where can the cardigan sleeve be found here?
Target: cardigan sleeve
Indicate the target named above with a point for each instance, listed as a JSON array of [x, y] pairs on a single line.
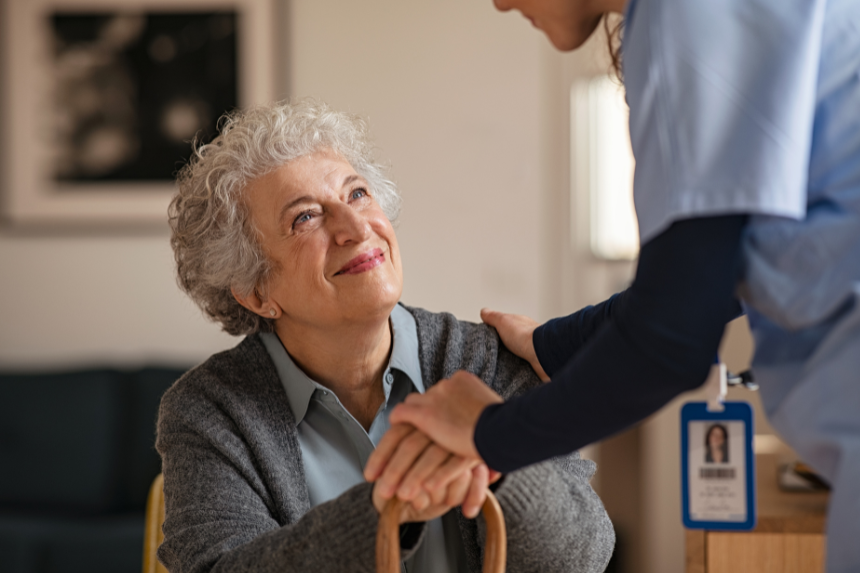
[[556, 522], [220, 516]]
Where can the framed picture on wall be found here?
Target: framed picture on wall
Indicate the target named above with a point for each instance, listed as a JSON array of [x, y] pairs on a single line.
[[102, 99]]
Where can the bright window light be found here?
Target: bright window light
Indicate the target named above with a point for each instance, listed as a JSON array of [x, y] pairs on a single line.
[[601, 144]]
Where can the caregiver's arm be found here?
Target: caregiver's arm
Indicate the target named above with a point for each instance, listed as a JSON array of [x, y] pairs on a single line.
[[558, 340], [659, 341], [564, 336]]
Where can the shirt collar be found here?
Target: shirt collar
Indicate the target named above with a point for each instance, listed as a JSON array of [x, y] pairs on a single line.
[[300, 388], [404, 354]]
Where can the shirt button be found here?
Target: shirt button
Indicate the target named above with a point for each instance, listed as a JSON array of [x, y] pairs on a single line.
[[389, 378]]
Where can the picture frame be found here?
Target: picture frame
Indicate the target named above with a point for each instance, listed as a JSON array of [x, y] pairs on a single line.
[[59, 170]]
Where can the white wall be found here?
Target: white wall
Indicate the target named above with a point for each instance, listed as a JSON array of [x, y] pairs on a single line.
[[97, 300], [453, 93]]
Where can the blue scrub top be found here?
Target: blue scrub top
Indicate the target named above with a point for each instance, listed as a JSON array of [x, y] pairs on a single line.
[[753, 106]]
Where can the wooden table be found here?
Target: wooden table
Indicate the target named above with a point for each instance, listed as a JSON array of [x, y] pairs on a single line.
[[789, 537]]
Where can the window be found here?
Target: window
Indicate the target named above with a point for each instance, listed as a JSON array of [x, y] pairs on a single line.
[[600, 145]]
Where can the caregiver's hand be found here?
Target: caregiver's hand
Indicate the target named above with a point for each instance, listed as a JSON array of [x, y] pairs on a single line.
[[411, 454], [447, 414], [516, 332]]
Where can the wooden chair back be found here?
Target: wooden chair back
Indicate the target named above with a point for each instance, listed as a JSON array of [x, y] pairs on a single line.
[[153, 535]]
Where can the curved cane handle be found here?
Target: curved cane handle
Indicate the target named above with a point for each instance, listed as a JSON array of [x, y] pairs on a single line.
[[388, 537]]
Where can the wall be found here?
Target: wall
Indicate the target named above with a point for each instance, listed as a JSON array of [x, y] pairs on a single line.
[[453, 93]]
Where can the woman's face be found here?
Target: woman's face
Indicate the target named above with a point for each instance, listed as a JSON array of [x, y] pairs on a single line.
[[567, 23], [716, 439], [334, 252]]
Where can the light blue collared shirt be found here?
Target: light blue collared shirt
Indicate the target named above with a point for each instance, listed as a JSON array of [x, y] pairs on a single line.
[[335, 447]]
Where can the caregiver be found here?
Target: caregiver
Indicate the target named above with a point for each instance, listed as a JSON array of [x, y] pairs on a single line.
[[745, 125]]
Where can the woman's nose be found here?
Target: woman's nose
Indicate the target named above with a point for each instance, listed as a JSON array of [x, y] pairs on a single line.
[[350, 226]]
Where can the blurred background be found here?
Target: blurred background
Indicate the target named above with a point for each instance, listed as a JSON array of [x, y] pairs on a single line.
[[512, 160]]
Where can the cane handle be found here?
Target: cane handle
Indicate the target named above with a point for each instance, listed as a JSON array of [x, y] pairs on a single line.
[[388, 537]]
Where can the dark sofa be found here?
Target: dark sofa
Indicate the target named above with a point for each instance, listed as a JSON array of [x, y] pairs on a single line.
[[76, 462]]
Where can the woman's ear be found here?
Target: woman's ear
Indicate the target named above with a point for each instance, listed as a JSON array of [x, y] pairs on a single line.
[[256, 304]]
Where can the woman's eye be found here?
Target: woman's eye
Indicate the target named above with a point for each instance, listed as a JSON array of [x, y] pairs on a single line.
[[302, 218], [358, 193]]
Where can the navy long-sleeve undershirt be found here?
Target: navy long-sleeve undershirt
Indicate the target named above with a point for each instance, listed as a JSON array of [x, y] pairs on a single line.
[[615, 363]]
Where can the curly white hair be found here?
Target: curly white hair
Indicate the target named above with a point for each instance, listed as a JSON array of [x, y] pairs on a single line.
[[214, 241]]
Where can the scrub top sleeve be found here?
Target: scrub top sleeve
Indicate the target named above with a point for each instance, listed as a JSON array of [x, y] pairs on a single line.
[[722, 102]]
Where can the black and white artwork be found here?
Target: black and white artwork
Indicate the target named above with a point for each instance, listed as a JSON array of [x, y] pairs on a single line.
[[101, 101], [132, 90]]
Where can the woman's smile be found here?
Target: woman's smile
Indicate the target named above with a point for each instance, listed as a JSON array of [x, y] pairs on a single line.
[[363, 262]]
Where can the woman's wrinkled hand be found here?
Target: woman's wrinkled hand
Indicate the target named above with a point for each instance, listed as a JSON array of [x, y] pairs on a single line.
[[430, 443], [467, 489], [412, 458], [516, 332]]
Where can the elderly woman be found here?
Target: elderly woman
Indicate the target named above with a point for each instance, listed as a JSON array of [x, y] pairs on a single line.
[[282, 232]]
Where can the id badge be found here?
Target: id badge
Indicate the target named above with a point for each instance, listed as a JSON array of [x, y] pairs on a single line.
[[718, 466]]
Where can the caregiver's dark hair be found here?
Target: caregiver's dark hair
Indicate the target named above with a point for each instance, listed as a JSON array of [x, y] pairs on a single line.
[[613, 39]]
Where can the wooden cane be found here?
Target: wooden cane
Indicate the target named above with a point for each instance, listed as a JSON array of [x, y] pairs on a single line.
[[388, 537]]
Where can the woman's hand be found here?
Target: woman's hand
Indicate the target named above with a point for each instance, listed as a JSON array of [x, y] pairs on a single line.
[[467, 489], [516, 332], [413, 458], [406, 463]]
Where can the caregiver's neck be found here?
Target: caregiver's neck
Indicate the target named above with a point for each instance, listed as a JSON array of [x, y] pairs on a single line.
[[348, 359]]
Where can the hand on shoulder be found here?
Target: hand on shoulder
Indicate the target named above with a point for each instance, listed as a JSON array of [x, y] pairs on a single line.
[[516, 331]]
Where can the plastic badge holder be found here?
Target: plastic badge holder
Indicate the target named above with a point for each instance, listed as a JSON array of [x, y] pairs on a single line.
[[718, 467]]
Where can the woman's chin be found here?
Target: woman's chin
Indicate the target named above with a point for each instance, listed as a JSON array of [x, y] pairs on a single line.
[[375, 301]]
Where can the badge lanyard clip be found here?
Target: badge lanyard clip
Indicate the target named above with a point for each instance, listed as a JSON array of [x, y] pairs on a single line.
[[716, 387]]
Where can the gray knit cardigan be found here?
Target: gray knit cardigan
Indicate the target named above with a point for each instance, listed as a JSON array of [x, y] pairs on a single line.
[[235, 491]]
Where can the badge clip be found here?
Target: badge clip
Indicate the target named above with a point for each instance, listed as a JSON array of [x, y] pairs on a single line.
[[716, 387]]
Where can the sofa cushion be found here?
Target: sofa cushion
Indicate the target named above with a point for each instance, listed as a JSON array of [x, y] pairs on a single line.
[[59, 438], [112, 544], [80, 443], [141, 463]]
